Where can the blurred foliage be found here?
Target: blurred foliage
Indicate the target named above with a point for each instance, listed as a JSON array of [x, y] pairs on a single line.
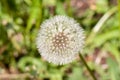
[[19, 24]]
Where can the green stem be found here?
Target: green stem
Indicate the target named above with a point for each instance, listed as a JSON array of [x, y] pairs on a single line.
[[100, 23], [89, 70]]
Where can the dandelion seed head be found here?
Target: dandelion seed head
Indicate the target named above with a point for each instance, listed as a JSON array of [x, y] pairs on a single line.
[[60, 39]]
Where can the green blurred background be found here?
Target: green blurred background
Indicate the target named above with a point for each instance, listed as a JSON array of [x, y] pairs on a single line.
[[19, 24]]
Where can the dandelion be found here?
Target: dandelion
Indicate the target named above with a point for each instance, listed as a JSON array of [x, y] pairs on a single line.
[[60, 39]]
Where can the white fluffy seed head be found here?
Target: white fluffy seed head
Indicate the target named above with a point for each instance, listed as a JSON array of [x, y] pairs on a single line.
[[60, 39]]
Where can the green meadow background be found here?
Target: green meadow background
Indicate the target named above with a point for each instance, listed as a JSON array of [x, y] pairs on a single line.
[[19, 24]]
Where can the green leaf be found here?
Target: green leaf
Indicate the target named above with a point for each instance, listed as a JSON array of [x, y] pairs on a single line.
[[3, 35], [35, 16], [113, 69], [102, 38], [113, 49], [23, 63], [60, 8], [77, 74], [102, 6]]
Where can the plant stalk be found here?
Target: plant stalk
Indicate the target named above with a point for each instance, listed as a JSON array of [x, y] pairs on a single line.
[[88, 68], [99, 24]]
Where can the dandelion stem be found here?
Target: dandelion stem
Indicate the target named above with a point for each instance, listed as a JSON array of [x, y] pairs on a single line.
[[88, 68]]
